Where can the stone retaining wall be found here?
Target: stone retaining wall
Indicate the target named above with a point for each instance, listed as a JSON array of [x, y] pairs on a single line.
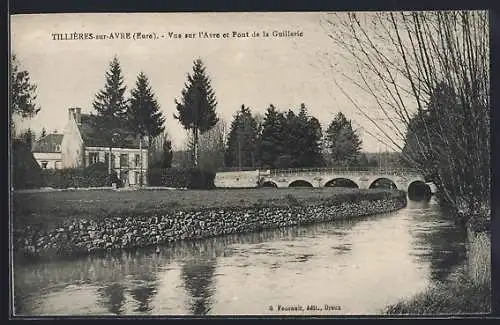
[[81, 237]]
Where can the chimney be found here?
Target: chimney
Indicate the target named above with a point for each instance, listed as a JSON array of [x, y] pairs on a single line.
[[78, 115], [71, 112]]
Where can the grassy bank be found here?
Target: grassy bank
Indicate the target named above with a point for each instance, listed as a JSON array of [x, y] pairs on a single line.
[[51, 207], [467, 292]]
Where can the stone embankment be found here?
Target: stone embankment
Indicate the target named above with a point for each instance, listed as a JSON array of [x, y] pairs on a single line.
[[82, 237]]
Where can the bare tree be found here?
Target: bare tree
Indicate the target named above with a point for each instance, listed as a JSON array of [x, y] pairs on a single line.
[[211, 146], [401, 60]]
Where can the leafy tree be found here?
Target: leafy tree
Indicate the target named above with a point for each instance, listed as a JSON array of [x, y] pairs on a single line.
[[111, 106], [272, 141], [196, 108], [242, 140], [143, 113], [22, 92], [342, 142]]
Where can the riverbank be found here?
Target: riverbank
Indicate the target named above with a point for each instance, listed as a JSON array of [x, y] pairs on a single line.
[[49, 208], [81, 227], [467, 291]]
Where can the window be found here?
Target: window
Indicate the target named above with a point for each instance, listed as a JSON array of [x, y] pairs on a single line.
[[93, 157], [137, 160], [58, 148], [44, 164], [124, 160], [106, 158]]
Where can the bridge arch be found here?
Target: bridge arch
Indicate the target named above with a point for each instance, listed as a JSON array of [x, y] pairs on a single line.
[[419, 190], [383, 182], [341, 182], [300, 183], [268, 184]]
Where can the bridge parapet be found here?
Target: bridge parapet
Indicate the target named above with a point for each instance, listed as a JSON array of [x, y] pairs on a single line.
[[344, 171]]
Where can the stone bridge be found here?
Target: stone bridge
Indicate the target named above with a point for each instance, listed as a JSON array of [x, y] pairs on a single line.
[[402, 179]]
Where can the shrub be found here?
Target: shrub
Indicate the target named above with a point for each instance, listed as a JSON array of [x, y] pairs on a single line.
[[192, 178], [26, 173]]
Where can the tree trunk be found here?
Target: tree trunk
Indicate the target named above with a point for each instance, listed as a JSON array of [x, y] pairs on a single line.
[[140, 161], [109, 163], [195, 147]]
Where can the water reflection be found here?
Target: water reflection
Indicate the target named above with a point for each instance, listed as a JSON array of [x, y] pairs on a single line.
[[437, 240], [112, 297], [362, 265], [198, 277]]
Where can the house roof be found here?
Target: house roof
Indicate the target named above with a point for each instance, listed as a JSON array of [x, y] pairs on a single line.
[[49, 143], [92, 137]]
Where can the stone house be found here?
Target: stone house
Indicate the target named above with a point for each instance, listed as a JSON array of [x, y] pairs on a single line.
[[47, 151], [82, 145]]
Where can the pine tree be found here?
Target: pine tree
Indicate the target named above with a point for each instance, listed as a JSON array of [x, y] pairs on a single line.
[[110, 102], [342, 142], [143, 112], [22, 93], [302, 140], [272, 142], [241, 148], [111, 106], [196, 109], [312, 155]]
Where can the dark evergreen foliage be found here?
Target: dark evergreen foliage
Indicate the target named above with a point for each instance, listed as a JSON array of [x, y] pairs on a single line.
[[196, 110], [291, 140], [143, 112], [111, 105], [342, 142], [241, 148], [272, 142]]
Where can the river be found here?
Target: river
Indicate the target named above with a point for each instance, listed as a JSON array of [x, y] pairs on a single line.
[[355, 267]]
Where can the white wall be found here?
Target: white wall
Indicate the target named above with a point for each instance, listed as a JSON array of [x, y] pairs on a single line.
[[53, 159], [116, 152], [72, 146], [237, 179]]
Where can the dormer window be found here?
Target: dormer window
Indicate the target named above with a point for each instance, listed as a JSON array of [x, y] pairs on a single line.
[[58, 148]]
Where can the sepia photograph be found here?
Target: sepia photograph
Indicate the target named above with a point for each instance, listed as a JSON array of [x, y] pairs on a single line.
[[250, 163]]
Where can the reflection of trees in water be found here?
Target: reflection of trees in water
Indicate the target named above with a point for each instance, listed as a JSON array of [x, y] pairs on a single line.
[[144, 294], [112, 297], [217, 246], [145, 288], [198, 277], [135, 272], [444, 241]]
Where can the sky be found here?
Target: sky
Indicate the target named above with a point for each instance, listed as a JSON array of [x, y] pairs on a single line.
[[254, 71]]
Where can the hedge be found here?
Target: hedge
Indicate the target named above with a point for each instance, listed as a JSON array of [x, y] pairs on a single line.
[[95, 175], [192, 178]]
